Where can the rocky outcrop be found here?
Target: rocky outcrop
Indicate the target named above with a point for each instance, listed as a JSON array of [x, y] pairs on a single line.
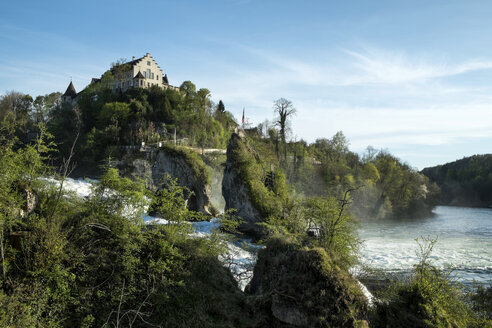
[[151, 165], [236, 193], [303, 287]]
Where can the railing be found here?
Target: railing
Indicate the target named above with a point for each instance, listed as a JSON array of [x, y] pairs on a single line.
[[147, 147]]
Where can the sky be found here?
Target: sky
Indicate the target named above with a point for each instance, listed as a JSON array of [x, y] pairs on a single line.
[[410, 77]]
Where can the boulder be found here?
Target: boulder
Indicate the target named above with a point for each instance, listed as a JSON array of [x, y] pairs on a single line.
[[304, 287]]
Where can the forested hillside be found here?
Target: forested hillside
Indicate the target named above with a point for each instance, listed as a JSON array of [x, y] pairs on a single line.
[[103, 122], [465, 182], [381, 185]]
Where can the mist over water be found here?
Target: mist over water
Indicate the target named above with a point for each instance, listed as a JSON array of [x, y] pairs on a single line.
[[464, 242]]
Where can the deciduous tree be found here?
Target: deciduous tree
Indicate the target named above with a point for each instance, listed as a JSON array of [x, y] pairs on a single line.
[[284, 110]]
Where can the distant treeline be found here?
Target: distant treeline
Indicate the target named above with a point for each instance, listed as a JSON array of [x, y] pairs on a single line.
[[465, 182]]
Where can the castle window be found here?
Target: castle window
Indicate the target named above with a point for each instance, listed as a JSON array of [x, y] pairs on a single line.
[[148, 63], [157, 77], [148, 73], [152, 75]]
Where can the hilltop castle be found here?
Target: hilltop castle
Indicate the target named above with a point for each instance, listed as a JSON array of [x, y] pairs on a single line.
[[143, 72]]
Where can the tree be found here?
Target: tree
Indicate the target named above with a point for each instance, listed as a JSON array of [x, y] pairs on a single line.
[[339, 144], [203, 99], [45, 106], [120, 70], [284, 109], [15, 108], [189, 90], [221, 107]]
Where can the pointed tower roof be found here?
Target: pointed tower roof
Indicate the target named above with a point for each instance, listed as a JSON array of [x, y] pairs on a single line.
[[139, 75], [165, 79], [70, 91]]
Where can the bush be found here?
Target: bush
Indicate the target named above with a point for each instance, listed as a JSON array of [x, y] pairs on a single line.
[[429, 298]]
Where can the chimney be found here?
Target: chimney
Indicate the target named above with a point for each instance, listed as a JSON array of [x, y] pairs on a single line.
[[133, 59]]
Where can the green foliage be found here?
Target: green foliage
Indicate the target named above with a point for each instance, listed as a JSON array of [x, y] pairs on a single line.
[[306, 281], [221, 107], [251, 170], [466, 182], [169, 202], [92, 263], [385, 187], [408, 192], [114, 113], [337, 228], [138, 115], [191, 158], [428, 298], [482, 302]]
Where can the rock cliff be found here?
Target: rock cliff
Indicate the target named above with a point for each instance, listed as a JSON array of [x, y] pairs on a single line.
[[303, 287], [152, 164], [236, 193]]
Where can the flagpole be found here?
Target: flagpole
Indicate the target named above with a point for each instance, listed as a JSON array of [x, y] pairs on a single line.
[[243, 118]]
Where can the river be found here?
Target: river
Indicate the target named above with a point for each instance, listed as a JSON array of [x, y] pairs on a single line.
[[464, 243]]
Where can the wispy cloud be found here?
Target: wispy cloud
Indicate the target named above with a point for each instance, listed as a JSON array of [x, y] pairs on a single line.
[[369, 67], [387, 127], [392, 67], [383, 98]]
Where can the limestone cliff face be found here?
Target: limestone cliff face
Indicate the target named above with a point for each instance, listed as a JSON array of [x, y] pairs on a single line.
[[152, 165], [236, 193]]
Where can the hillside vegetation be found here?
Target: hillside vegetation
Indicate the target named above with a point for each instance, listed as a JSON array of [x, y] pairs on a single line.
[[465, 182], [381, 185]]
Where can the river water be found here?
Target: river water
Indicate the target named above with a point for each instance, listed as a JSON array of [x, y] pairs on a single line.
[[464, 243]]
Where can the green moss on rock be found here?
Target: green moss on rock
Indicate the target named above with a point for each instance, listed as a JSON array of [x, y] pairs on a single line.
[[252, 172], [191, 158], [303, 286]]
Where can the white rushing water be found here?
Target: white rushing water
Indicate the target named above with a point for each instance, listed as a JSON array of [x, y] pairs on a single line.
[[464, 243], [240, 257], [241, 254]]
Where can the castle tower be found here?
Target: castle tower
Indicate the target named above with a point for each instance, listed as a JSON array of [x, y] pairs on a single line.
[[69, 95]]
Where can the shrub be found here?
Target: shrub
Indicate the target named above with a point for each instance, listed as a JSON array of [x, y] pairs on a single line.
[[429, 298]]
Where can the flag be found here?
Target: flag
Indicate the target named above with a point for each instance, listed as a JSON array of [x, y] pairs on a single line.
[[243, 115]]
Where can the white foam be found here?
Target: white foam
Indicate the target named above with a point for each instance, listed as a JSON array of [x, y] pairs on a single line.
[[464, 243], [367, 293]]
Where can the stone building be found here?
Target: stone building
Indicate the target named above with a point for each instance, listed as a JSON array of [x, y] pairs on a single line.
[[142, 72]]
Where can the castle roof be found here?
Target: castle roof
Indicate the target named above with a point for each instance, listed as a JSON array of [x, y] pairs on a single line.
[[138, 60], [70, 91], [139, 75]]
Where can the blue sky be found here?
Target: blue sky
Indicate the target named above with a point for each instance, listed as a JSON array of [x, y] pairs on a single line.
[[412, 77]]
